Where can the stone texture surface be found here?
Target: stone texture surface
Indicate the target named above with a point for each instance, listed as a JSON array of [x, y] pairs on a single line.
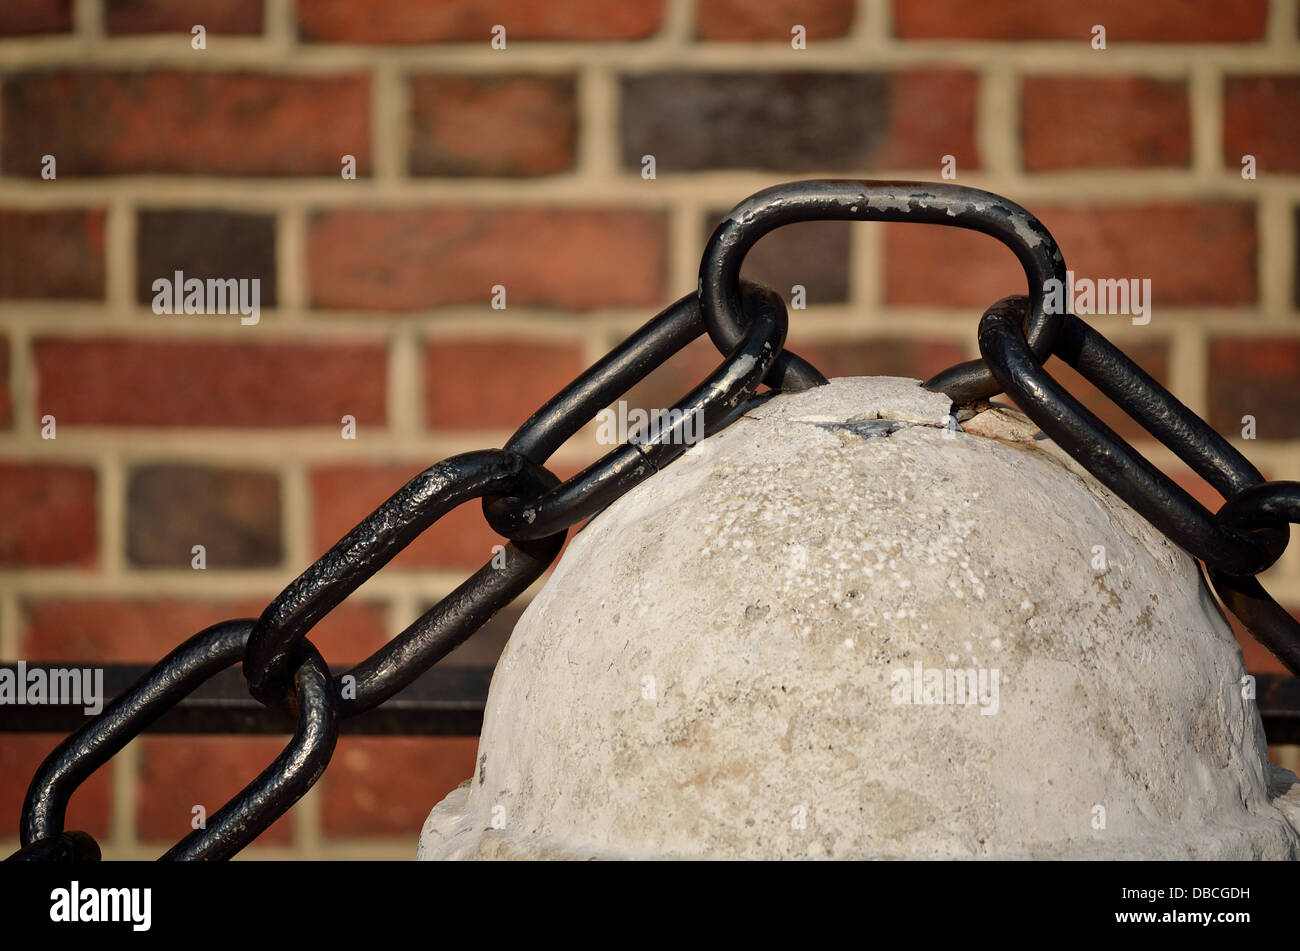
[[713, 668]]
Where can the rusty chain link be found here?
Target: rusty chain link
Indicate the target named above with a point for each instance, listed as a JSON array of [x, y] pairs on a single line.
[[533, 509]]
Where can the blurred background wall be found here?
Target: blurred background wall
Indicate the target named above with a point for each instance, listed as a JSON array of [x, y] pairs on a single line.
[[523, 167]]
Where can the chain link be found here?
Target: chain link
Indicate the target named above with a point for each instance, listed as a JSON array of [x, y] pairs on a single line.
[[920, 202], [533, 509], [357, 556], [1115, 463]]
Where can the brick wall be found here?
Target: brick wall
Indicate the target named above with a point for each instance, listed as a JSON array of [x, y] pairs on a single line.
[[522, 167]]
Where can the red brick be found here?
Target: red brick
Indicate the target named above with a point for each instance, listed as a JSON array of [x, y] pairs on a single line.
[[1259, 119], [1255, 376], [916, 358], [144, 630], [932, 114], [1198, 488], [20, 756], [344, 495], [412, 259], [919, 359], [47, 515], [1257, 657], [1104, 122], [179, 772], [120, 382], [351, 632], [1199, 255], [385, 786], [54, 254], [493, 384], [179, 16], [28, 17], [1156, 21], [418, 21], [685, 370], [516, 126], [772, 20], [197, 123], [1152, 356]]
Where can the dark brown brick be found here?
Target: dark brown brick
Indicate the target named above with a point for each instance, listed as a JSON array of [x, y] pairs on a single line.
[[180, 16], [187, 123], [513, 126], [29, 17], [233, 513], [814, 254], [52, 254], [1255, 376], [1155, 21], [793, 121], [1071, 122], [205, 244], [6, 395], [1259, 119]]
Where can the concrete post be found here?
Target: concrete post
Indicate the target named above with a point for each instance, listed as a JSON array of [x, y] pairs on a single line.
[[825, 634]]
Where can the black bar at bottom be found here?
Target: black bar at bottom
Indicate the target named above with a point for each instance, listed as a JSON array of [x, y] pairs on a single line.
[[445, 701]]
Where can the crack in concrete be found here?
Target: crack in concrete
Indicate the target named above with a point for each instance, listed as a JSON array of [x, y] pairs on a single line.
[[866, 428]]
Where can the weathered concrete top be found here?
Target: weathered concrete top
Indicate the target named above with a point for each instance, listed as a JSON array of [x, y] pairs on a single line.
[[821, 633]]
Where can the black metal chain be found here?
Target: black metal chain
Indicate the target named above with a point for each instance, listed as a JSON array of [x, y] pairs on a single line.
[[528, 505]]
